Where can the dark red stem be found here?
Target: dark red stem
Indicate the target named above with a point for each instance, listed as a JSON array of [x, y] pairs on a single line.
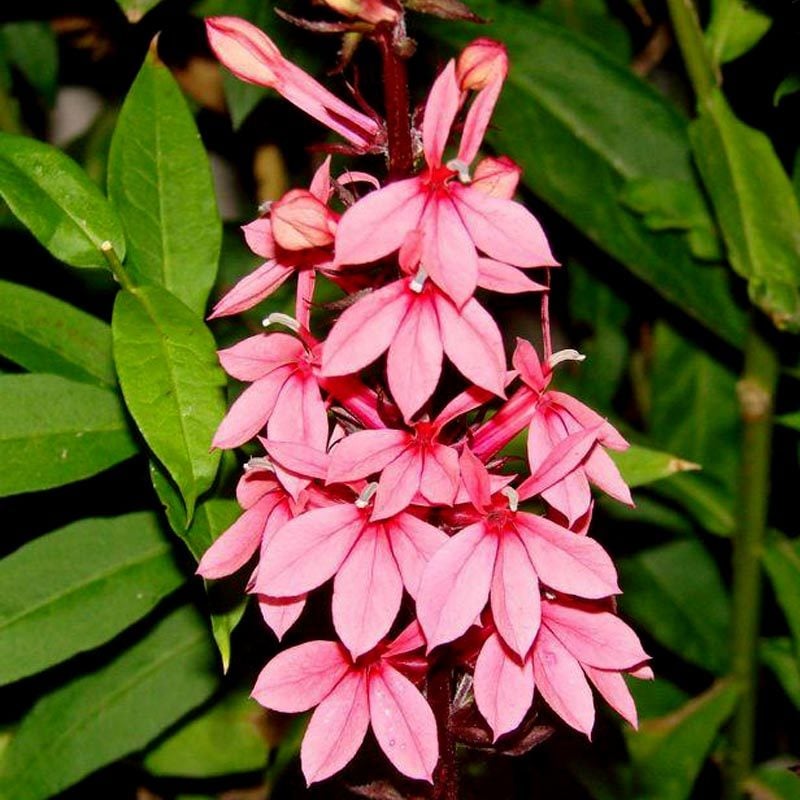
[[395, 92], [440, 697]]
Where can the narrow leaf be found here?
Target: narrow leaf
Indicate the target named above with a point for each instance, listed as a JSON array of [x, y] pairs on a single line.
[[56, 200], [44, 334], [775, 781], [159, 181], [55, 431], [735, 27], [779, 655], [79, 586], [782, 563], [102, 716], [167, 367], [641, 465]]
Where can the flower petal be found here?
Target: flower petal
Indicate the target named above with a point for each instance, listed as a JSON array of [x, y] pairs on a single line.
[[280, 613], [364, 453], [398, 485], [413, 543], [503, 687], [252, 289], [614, 690], [505, 279], [257, 356], [403, 723], [475, 478], [439, 480], [298, 458], [605, 474], [441, 108], [299, 414], [608, 436]]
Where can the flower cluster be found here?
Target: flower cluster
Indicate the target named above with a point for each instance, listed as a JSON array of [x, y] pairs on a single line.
[[409, 512]]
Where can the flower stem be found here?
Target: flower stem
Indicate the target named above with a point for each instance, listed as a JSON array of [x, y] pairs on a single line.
[[703, 73], [440, 694], [396, 102], [756, 391]]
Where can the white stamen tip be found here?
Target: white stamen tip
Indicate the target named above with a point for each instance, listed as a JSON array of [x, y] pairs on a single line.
[[277, 318], [549, 595], [265, 207], [363, 499], [564, 355], [258, 463], [513, 497], [419, 281], [462, 168]]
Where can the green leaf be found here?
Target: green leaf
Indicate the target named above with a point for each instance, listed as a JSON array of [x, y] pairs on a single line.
[[779, 654], [757, 210], [791, 420], [44, 334], [663, 589], [57, 201], [100, 717], [641, 465], [776, 781], [735, 27], [167, 367], [704, 498], [581, 126], [159, 180], [225, 740], [55, 431], [693, 410], [136, 9], [77, 587], [667, 752], [782, 562], [669, 205], [32, 48], [788, 86]]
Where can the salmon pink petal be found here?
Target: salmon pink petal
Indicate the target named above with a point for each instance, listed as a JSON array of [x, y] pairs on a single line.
[[255, 357], [367, 592], [364, 453], [413, 543], [258, 235], [304, 297], [280, 613], [526, 362], [597, 638], [503, 687], [337, 729], [234, 547], [461, 404], [503, 229], [475, 478], [308, 550], [253, 485], [298, 458], [439, 480], [301, 222], [516, 607], [505, 279], [393, 211], [604, 473], [366, 329], [248, 415], [455, 585], [321, 186], [448, 253], [408, 640], [440, 111], [299, 413], [398, 484], [498, 177], [565, 561], [403, 723], [414, 363], [615, 692], [252, 289], [561, 682], [571, 496], [608, 436], [299, 678], [477, 120]]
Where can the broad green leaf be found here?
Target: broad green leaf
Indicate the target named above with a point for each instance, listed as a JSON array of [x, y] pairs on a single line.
[[167, 367], [581, 126], [735, 27], [649, 511], [780, 656], [663, 589], [641, 465], [44, 334], [55, 431], [667, 752], [693, 408], [704, 498], [99, 717], [775, 781], [782, 562], [32, 48], [656, 698], [57, 201], [159, 180], [77, 587], [669, 205], [227, 739], [757, 210]]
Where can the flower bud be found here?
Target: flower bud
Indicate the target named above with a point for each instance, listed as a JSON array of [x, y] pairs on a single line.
[[482, 62], [300, 221], [497, 177], [373, 11]]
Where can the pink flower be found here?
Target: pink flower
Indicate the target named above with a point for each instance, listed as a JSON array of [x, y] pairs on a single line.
[[576, 641], [252, 56], [350, 696], [417, 324], [373, 11], [506, 555], [371, 560], [454, 221]]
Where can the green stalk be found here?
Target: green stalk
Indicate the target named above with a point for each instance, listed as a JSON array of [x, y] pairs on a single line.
[[756, 391], [115, 265], [703, 73]]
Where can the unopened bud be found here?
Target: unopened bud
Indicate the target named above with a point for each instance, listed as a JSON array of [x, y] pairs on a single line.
[[497, 177], [300, 221], [373, 11], [481, 63]]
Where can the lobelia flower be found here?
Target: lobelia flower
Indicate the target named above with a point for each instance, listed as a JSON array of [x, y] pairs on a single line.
[[452, 221], [575, 641], [350, 695]]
